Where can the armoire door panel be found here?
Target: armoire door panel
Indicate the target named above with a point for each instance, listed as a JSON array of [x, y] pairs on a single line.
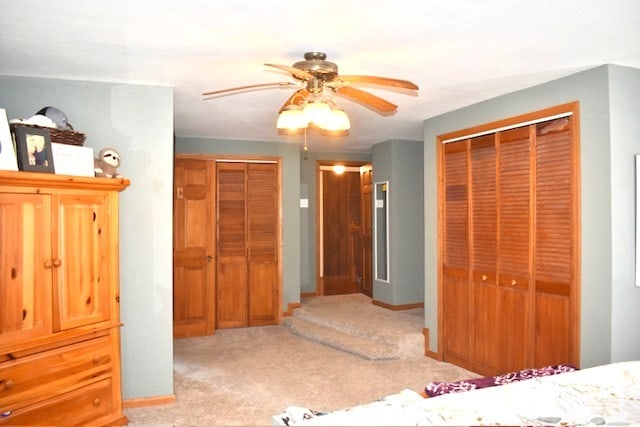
[[25, 246], [80, 295]]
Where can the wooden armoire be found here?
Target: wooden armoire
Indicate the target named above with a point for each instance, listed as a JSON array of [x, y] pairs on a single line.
[[509, 243], [59, 300]]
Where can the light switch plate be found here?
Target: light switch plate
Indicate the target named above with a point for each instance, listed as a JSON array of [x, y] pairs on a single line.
[[304, 203]]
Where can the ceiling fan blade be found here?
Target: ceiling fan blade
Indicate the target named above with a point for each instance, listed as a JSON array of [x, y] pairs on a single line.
[[296, 72], [367, 99], [375, 80], [249, 87], [297, 98]]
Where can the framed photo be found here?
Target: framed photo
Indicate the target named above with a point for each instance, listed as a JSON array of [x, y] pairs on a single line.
[[7, 151], [33, 146]]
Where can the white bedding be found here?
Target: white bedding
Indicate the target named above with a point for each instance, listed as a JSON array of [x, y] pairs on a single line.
[[604, 395]]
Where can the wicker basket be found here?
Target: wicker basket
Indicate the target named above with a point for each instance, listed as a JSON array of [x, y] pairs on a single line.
[[60, 136]]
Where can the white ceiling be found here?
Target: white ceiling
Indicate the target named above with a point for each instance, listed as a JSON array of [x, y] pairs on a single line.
[[458, 51]]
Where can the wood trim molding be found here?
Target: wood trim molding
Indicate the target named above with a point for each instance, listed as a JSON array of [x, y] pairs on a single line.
[[397, 307], [290, 307], [308, 294], [149, 401], [427, 352]]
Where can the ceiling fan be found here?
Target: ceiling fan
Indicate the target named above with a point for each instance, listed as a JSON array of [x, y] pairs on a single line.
[[315, 75]]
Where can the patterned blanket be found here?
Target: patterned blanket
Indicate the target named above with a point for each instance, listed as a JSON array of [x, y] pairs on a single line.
[[599, 396]]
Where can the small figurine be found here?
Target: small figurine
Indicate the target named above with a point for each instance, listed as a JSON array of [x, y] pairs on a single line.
[[107, 163]]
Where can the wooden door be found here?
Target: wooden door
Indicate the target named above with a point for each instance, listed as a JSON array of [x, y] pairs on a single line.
[[25, 266], [556, 337], [456, 294], [193, 248], [484, 244], [231, 230], [514, 249], [521, 216], [341, 232], [247, 233], [262, 224], [366, 228], [81, 286]]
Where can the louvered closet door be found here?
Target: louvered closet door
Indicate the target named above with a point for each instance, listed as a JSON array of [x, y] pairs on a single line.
[[484, 226], [247, 231], [231, 262], [456, 304], [262, 238], [555, 340], [514, 249]]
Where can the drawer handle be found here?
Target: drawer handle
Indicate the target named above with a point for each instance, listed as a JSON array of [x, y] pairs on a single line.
[[8, 384], [484, 277], [97, 359], [97, 401], [513, 282]]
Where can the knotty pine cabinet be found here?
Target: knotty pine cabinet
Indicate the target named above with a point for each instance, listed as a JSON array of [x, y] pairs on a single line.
[[59, 300], [509, 246]]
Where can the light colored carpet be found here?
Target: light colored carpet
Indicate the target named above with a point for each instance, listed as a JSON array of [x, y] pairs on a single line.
[[241, 377], [353, 324]]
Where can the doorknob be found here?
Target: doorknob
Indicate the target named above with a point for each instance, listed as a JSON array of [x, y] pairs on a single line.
[[209, 258]]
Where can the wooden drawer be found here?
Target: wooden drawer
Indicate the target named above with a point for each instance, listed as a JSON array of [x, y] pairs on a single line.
[[79, 407], [41, 376]]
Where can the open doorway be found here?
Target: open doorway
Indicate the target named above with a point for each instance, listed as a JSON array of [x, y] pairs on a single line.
[[343, 228]]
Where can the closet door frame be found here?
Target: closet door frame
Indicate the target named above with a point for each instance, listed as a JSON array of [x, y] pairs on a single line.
[[214, 158], [572, 109]]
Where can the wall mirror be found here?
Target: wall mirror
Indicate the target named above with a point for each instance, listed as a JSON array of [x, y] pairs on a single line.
[[381, 238]]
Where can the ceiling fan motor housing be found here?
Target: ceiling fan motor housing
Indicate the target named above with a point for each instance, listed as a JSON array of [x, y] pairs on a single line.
[[315, 64]]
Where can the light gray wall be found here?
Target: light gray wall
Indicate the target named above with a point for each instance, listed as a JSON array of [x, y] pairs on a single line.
[[591, 89], [308, 162], [624, 98], [401, 163], [137, 120], [290, 154]]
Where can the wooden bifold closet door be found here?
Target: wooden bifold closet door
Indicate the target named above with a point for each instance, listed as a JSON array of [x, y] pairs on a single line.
[[247, 249], [509, 247]]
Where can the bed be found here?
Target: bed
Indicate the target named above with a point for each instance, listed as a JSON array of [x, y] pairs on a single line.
[[606, 395]]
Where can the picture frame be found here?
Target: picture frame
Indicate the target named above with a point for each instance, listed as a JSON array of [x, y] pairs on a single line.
[[33, 146], [8, 159]]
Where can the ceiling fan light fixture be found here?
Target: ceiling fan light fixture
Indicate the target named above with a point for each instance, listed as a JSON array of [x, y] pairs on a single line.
[[291, 118], [338, 121], [317, 112]]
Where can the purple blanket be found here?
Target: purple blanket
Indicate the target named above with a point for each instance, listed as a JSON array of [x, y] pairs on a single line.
[[438, 388]]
